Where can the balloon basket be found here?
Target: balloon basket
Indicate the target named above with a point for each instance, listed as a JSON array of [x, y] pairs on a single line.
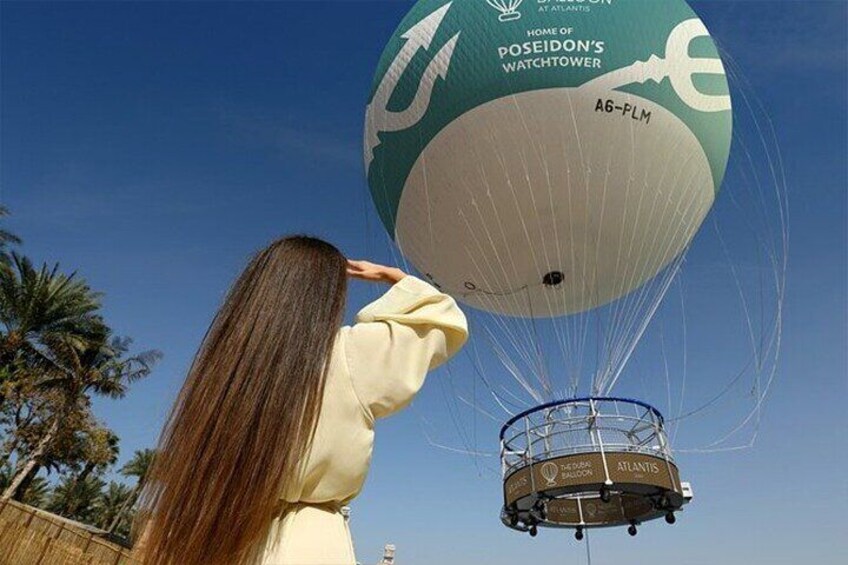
[[589, 463]]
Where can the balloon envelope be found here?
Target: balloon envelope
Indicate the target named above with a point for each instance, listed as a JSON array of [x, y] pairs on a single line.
[[544, 158]]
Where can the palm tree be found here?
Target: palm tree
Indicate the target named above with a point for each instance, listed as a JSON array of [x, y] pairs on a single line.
[[63, 451], [36, 491], [38, 306], [79, 370], [139, 466], [33, 414], [111, 509], [98, 449], [24, 407], [7, 239], [82, 496]]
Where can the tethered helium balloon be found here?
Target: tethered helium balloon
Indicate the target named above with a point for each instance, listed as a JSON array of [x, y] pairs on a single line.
[[546, 159]]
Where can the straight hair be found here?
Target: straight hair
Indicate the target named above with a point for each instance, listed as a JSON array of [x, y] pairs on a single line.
[[242, 426]]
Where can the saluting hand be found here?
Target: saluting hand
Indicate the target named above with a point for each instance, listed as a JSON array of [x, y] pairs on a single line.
[[372, 272]]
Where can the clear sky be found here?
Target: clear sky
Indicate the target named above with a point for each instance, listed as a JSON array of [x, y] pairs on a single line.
[[153, 146]]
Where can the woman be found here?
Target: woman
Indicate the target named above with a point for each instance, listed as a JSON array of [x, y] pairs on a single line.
[[273, 430]]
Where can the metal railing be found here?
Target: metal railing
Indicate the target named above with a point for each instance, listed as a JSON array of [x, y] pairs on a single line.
[[585, 425]]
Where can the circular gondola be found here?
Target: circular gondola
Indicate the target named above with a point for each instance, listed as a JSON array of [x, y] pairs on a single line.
[[589, 463]]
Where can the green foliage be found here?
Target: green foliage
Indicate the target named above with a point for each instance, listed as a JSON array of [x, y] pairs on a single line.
[[139, 466], [112, 508], [42, 305], [35, 494], [7, 240], [76, 499], [56, 353]]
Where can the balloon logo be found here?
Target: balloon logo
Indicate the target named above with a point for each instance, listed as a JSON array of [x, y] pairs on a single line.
[[508, 9], [550, 471]]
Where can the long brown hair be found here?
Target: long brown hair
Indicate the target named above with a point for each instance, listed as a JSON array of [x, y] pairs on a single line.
[[244, 420]]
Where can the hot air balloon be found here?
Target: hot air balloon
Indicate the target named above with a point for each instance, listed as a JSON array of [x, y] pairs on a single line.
[[553, 160]]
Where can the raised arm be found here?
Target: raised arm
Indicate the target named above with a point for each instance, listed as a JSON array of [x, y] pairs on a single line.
[[397, 339]]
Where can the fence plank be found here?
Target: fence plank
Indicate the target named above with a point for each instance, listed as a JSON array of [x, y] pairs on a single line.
[[29, 536]]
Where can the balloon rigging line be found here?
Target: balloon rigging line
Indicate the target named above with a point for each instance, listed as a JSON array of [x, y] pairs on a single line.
[[778, 269], [685, 377], [501, 400], [618, 362], [631, 305], [538, 222]]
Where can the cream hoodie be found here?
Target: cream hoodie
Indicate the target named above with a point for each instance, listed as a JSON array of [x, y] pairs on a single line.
[[376, 368]]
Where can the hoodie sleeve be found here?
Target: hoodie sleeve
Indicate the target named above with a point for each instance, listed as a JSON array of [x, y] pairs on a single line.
[[412, 329]]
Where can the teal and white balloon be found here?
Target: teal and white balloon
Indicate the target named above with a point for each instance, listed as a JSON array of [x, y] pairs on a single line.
[[547, 157]]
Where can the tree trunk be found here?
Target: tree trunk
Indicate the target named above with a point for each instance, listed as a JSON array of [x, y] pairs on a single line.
[[31, 461], [26, 483], [128, 504], [86, 471]]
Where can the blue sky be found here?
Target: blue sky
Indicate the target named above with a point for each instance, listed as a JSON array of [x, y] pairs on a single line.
[[153, 146]]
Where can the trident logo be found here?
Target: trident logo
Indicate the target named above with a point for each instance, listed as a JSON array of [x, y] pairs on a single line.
[[677, 66], [377, 116]]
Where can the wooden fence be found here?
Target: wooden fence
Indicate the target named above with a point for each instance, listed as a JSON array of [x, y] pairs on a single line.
[[29, 536]]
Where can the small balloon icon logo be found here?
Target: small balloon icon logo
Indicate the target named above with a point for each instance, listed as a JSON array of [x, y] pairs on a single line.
[[508, 9], [550, 471]]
